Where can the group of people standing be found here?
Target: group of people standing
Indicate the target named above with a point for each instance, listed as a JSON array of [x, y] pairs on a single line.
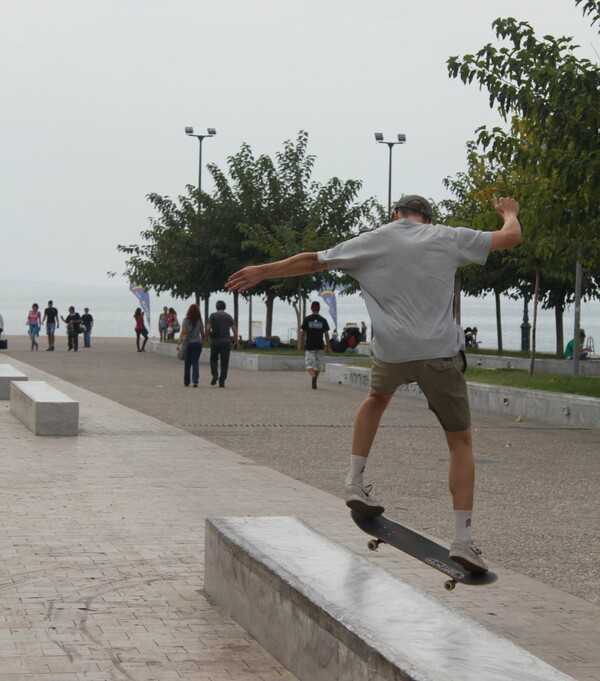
[[75, 324], [168, 324]]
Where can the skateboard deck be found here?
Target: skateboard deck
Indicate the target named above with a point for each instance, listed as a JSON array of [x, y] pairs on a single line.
[[386, 531]]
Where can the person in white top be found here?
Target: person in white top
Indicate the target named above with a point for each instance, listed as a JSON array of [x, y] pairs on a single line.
[[406, 272]]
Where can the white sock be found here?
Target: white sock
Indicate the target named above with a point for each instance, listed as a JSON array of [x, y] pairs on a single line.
[[357, 468], [462, 525]]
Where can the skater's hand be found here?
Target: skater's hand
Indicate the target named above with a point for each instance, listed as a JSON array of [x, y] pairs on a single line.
[[244, 279], [505, 205]]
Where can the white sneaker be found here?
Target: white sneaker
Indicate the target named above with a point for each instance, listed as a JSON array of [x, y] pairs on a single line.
[[358, 500], [468, 556]]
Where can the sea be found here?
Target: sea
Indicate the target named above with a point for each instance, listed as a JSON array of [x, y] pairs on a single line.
[[112, 305]]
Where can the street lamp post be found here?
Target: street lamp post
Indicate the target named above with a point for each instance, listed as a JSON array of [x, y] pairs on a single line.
[[401, 140], [210, 132], [525, 327]]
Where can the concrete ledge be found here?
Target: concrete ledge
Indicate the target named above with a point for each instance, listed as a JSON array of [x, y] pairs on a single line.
[[44, 409], [558, 409], [328, 614], [7, 375]]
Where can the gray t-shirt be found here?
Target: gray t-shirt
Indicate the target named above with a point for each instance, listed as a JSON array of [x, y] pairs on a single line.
[[406, 273], [195, 334], [221, 322]]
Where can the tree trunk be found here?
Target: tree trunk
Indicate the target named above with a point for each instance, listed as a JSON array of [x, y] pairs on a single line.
[[560, 331], [236, 309], [206, 312], [457, 300], [536, 293], [499, 320], [270, 304], [300, 311], [299, 306]]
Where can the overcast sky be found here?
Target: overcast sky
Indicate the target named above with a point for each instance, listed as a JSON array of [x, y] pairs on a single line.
[[96, 95]]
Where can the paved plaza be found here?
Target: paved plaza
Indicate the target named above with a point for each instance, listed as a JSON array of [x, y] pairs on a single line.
[[101, 535]]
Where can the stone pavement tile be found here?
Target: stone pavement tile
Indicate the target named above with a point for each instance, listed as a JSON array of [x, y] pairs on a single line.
[[40, 676], [109, 532]]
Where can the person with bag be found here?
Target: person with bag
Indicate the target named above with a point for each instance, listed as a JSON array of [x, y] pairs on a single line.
[[189, 347], [34, 322], [173, 327], [73, 323]]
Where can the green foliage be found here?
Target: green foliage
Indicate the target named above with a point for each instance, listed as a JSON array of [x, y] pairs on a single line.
[[548, 158], [281, 210], [557, 96], [262, 209], [591, 8], [182, 250]]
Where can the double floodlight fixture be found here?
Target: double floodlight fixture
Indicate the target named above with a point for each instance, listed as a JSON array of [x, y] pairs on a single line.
[[391, 145], [190, 131], [379, 138], [211, 132]]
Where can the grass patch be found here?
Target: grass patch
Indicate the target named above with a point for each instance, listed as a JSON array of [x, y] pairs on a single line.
[[587, 386], [271, 351], [513, 353]]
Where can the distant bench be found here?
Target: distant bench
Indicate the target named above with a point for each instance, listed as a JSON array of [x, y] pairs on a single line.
[[8, 374], [327, 613], [44, 409]]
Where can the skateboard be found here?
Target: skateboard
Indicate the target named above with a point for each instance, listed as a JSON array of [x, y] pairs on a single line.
[[386, 531]]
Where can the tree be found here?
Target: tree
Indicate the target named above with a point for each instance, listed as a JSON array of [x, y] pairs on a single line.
[[472, 206], [281, 210], [543, 83], [553, 101], [181, 251]]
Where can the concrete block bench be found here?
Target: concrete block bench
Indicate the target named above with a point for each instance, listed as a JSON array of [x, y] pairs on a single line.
[[44, 409], [8, 374], [327, 613]]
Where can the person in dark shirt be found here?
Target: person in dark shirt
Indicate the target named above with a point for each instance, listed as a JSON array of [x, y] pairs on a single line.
[[88, 322], [73, 322], [218, 327], [313, 329], [51, 321]]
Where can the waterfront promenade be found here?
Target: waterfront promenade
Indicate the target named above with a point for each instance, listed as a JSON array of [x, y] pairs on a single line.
[[102, 535]]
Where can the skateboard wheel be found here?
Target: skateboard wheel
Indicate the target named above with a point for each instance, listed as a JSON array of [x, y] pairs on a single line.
[[373, 544], [449, 585]]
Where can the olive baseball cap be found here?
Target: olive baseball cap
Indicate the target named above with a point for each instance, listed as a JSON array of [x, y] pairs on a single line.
[[416, 203]]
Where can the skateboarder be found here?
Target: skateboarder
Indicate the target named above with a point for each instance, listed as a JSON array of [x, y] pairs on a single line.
[[406, 271]]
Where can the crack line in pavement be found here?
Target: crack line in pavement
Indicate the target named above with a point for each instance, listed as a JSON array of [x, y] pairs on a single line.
[[350, 425]]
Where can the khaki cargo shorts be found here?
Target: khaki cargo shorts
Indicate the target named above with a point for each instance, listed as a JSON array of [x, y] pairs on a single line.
[[441, 380]]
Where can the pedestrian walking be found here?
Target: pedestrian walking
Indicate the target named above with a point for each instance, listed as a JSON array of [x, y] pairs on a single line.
[[218, 328], [88, 324], [51, 321], [73, 322], [34, 322], [314, 339], [191, 336]]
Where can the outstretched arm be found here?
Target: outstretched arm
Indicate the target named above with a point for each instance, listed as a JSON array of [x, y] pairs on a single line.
[[509, 234], [302, 263]]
